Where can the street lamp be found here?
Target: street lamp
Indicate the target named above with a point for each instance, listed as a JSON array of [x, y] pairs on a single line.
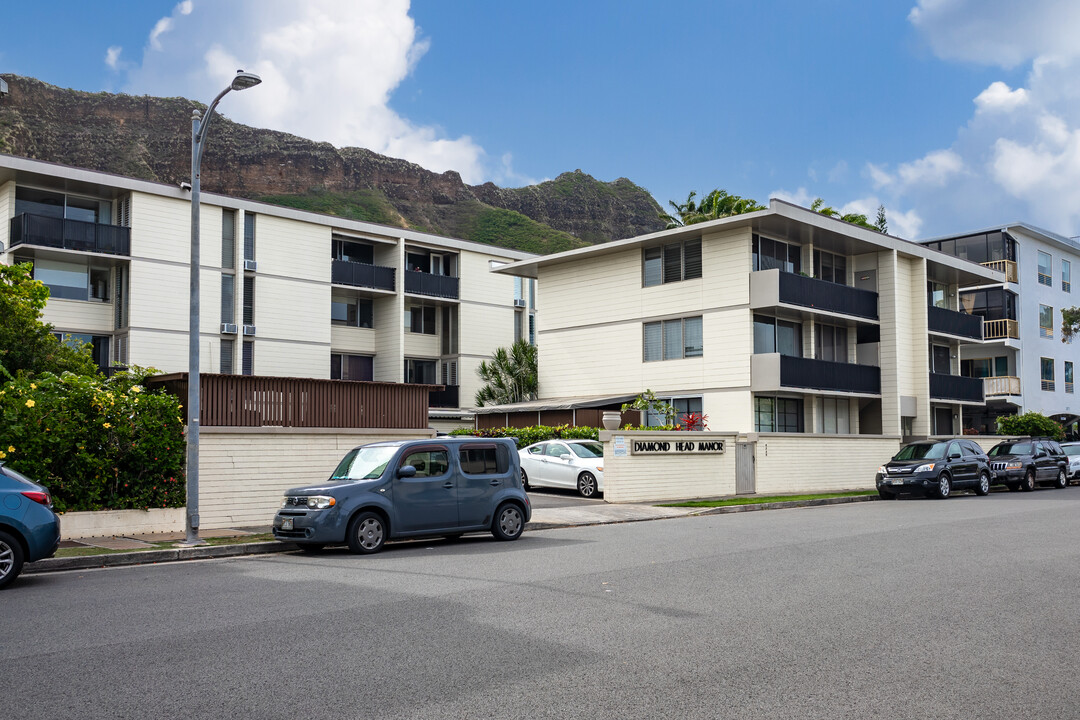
[[242, 81]]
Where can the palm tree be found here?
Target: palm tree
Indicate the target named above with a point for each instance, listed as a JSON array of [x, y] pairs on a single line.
[[510, 375], [715, 205], [859, 219]]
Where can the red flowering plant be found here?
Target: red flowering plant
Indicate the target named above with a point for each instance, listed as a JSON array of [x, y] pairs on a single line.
[[693, 421]]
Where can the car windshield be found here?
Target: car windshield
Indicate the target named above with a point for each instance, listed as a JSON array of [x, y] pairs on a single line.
[[587, 449], [1023, 448], [366, 463], [921, 451], [1071, 449]]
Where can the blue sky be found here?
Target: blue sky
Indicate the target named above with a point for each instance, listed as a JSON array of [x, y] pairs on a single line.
[[955, 114]]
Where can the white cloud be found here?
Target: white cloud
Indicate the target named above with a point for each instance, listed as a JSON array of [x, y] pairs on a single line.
[[112, 57], [933, 169], [999, 97], [329, 69], [801, 197]]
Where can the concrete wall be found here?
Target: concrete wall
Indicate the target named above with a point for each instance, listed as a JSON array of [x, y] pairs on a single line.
[[792, 463], [659, 478], [106, 523]]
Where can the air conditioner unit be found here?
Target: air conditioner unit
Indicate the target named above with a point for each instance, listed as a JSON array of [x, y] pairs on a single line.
[[249, 329], [228, 328], [519, 302], [251, 265]]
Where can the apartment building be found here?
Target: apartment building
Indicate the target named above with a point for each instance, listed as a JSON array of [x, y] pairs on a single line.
[[1023, 363], [284, 292], [774, 322]]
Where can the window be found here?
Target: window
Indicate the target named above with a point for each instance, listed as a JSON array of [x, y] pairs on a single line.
[[1046, 321], [352, 312], [59, 205], [671, 263], [1046, 269], [484, 459], [228, 347], [778, 414], [683, 406], [249, 300], [769, 253], [420, 371], [428, 463], [985, 367], [1068, 376], [76, 280], [831, 343], [940, 360], [228, 239], [228, 299], [777, 336], [1066, 276], [532, 329], [249, 236], [671, 339], [937, 294], [99, 345], [830, 267], [519, 320], [1046, 371], [834, 416], [247, 362], [351, 367], [353, 252], [421, 320], [989, 304]]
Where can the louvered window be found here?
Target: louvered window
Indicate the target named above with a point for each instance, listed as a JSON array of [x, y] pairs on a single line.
[[228, 299], [228, 347], [120, 299], [249, 301], [249, 236], [653, 342], [228, 239], [692, 260], [247, 366], [671, 263]]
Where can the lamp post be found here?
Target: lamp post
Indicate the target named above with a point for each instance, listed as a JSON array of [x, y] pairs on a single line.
[[242, 81]]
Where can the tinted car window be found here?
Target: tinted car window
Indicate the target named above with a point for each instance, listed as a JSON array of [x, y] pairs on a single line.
[[1022, 448], [481, 460], [428, 463], [954, 450], [1071, 449], [556, 450], [537, 449], [588, 449], [970, 451], [921, 451]]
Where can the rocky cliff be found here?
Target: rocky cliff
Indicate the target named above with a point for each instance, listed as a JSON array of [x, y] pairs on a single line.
[[150, 138]]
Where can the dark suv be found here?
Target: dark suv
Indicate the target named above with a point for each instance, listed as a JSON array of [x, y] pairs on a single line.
[[935, 468], [1024, 463]]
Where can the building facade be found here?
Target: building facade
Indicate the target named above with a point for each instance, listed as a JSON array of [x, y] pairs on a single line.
[[283, 292], [1023, 363], [778, 321]]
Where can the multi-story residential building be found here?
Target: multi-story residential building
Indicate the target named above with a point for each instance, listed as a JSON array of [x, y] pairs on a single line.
[[1023, 363], [778, 321], [284, 292]]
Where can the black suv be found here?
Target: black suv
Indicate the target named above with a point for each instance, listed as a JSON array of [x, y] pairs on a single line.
[[935, 468], [1026, 462]]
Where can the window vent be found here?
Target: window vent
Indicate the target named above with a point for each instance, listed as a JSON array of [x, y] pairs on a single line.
[[230, 329], [251, 265], [249, 329]]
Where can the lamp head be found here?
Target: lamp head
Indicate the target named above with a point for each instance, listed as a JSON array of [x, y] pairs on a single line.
[[244, 80]]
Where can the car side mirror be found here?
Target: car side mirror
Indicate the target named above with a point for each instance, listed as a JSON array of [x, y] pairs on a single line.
[[954, 456], [406, 471]]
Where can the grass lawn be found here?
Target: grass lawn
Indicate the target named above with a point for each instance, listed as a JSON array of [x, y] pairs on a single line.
[[754, 499]]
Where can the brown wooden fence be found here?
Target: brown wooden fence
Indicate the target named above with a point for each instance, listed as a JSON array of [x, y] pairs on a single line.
[[250, 401]]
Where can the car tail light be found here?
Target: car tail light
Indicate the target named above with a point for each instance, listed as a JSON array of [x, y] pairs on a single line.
[[39, 497]]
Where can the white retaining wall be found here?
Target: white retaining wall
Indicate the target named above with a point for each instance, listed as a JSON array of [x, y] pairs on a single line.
[[658, 478], [105, 523], [792, 463]]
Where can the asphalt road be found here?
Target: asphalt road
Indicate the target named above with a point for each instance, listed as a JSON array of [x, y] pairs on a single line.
[[965, 608], [559, 497]]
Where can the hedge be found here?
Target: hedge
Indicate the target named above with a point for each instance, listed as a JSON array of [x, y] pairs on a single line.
[[540, 433], [1030, 423], [97, 443]]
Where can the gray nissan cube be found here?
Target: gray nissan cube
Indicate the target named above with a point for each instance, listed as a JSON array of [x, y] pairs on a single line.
[[410, 488]]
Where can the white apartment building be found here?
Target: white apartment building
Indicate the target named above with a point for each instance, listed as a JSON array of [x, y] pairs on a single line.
[[1023, 363], [284, 292], [774, 322]]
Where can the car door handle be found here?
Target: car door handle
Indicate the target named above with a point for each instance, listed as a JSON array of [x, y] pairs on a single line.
[[496, 482], [448, 485]]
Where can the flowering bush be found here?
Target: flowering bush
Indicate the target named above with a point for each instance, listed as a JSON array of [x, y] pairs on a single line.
[[97, 443]]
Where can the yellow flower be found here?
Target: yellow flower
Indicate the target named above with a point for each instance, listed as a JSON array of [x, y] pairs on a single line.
[[33, 386], [2, 454], [11, 448], [29, 403], [106, 425], [137, 389]]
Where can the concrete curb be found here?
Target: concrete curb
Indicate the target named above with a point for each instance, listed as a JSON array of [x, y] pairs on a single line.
[[784, 505]]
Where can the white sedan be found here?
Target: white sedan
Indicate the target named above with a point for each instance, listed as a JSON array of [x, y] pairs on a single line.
[[564, 464]]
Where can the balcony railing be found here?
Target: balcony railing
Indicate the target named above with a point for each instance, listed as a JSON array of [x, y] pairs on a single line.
[[423, 283], [956, 387], [951, 322], [346, 272], [1002, 385], [28, 229], [1004, 266], [822, 295], [1001, 329], [445, 398], [797, 372]]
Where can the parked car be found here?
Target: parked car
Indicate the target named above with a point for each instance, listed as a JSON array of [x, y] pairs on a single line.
[[577, 464], [29, 529], [410, 488], [1024, 463], [935, 468], [1072, 449]]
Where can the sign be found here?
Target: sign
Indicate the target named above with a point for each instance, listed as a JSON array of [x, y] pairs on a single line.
[[618, 446], [676, 447]]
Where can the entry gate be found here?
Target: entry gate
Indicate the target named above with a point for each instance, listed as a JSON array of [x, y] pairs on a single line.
[[744, 468]]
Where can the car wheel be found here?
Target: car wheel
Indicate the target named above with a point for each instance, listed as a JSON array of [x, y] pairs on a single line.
[[509, 522], [586, 484], [524, 479], [1029, 481], [367, 533], [11, 559], [886, 495], [944, 487], [983, 488], [1062, 479], [312, 547]]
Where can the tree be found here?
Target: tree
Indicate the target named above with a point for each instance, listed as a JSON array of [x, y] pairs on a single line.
[[27, 344], [510, 375], [715, 205], [859, 219], [1030, 424], [1070, 323], [881, 224]]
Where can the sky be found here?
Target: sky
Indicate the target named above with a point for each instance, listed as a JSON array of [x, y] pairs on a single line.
[[954, 114]]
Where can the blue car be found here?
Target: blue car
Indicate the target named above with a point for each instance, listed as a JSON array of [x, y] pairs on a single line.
[[29, 529], [410, 488]]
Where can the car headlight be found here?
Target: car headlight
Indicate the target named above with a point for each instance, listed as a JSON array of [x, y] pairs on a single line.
[[928, 467], [284, 501], [1014, 465], [883, 470], [320, 502]]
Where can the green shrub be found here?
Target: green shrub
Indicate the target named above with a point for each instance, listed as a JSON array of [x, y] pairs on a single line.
[[535, 433], [96, 443], [1030, 423]]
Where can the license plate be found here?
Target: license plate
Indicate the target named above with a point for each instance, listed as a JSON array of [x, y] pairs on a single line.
[[286, 523], [897, 481]]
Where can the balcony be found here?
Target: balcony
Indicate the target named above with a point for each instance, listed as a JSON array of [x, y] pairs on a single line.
[[772, 372], [422, 283], [951, 322], [1001, 386], [445, 398], [1004, 266], [44, 231], [956, 388], [769, 288], [346, 272], [1001, 329]]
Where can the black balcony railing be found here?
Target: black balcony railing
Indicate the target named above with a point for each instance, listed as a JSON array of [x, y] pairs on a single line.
[[955, 323], [346, 272], [423, 283], [797, 372], [445, 398], [823, 295], [956, 387], [27, 229]]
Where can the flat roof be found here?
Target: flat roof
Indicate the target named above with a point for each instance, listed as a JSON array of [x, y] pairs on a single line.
[[1051, 237]]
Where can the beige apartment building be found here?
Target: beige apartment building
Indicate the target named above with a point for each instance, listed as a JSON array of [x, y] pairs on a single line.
[[284, 292], [777, 322]]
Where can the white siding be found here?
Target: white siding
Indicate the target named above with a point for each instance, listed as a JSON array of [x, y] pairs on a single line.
[[79, 316], [777, 454]]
